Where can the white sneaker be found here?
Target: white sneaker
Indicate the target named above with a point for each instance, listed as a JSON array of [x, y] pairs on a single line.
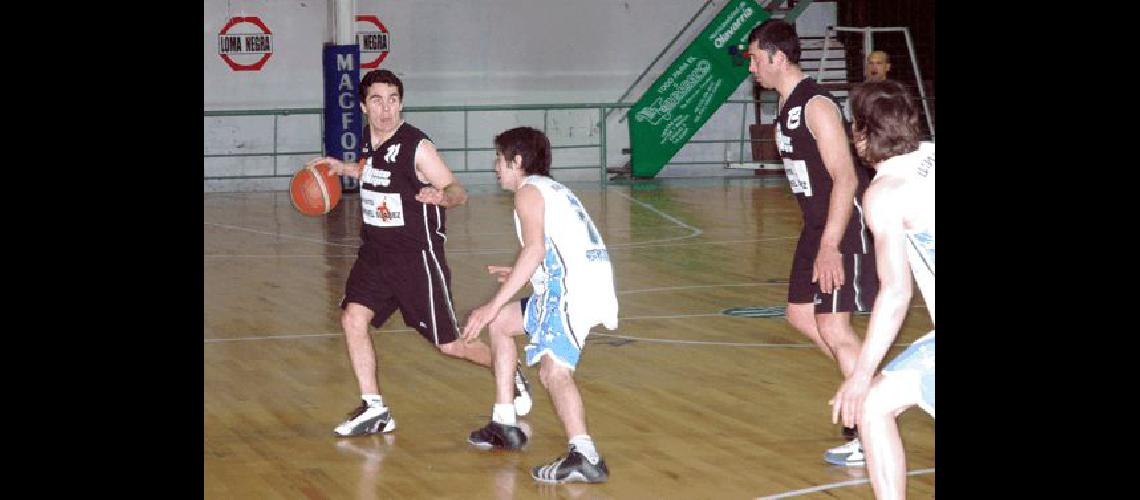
[[366, 420], [845, 448], [849, 454]]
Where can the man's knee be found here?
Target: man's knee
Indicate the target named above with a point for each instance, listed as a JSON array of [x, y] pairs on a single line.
[[874, 405], [836, 329], [801, 318], [507, 322], [354, 320], [798, 313], [886, 399], [502, 326], [553, 374]]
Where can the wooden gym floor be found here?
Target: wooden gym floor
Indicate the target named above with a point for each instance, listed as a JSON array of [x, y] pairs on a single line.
[[682, 400]]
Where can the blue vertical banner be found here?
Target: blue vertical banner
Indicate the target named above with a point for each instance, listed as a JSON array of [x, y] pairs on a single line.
[[343, 125]]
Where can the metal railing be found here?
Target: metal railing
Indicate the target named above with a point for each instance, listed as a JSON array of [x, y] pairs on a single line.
[[742, 137], [275, 113], [466, 149]]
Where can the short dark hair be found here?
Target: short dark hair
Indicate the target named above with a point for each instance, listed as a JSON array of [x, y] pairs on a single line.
[[529, 143], [380, 76], [883, 114], [776, 35]]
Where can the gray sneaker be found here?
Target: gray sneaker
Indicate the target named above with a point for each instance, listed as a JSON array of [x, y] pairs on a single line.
[[849, 454], [572, 467]]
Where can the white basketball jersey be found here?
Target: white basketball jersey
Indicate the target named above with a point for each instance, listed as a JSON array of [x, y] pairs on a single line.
[[576, 267], [917, 167]]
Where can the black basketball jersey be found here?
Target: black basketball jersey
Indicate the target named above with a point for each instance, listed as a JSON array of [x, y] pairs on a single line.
[[807, 176], [393, 220]]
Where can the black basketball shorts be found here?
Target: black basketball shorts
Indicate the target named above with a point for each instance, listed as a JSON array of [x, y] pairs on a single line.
[[417, 283]]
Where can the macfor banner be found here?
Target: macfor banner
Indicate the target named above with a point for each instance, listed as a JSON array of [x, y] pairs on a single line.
[[692, 88]]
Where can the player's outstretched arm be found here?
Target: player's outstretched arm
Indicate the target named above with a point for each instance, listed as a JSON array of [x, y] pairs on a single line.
[[530, 209]]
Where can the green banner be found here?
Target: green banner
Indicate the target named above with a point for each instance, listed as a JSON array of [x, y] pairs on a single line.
[[692, 88]]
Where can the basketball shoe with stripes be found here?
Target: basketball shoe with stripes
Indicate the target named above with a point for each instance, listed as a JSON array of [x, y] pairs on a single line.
[[572, 467], [366, 420]]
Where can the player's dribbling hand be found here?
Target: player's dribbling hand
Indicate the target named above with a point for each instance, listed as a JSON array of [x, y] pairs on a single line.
[[336, 167], [500, 272]]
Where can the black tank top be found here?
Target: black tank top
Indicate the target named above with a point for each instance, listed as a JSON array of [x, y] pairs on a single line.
[[809, 179], [393, 220]]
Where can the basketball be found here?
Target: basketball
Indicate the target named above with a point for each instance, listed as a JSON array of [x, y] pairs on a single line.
[[314, 191]]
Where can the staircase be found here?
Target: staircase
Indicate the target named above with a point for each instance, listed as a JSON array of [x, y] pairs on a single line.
[[698, 81]]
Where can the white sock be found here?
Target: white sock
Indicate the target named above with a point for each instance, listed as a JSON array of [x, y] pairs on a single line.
[[585, 446], [504, 414], [373, 400]]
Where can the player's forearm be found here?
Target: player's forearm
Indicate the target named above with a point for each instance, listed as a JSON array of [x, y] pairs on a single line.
[[453, 195], [354, 170], [528, 260], [839, 209], [882, 329]]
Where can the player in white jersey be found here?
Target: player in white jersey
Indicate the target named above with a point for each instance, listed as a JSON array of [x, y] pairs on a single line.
[[567, 264], [900, 211]]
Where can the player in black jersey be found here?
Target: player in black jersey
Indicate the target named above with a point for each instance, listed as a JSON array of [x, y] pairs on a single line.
[[833, 269], [404, 189]]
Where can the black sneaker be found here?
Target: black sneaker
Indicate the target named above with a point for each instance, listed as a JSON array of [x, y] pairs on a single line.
[[522, 400], [571, 468], [496, 435], [366, 420]]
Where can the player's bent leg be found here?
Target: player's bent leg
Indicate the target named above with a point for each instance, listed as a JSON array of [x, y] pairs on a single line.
[[511, 385], [802, 318], [361, 353], [476, 352], [836, 331], [888, 397], [575, 465], [367, 418], [559, 382]]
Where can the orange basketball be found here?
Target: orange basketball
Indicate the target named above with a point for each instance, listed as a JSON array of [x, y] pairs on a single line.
[[314, 191]]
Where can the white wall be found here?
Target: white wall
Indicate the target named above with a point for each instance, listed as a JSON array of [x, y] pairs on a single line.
[[456, 53]]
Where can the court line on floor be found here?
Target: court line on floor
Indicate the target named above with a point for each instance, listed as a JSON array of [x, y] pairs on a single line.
[[693, 287], [626, 337], [450, 252], [603, 334], [693, 231], [628, 318], [840, 484], [279, 235]]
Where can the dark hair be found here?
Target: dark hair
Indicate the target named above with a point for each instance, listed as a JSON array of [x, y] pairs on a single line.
[[529, 143], [379, 76], [776, 35], [883, 114]]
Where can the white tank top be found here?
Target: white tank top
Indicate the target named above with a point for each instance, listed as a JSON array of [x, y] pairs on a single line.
[[576, 260], [917, 167]]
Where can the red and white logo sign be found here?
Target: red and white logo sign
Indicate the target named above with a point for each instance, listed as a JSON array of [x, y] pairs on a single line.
[[245, 43], [372, 37]]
